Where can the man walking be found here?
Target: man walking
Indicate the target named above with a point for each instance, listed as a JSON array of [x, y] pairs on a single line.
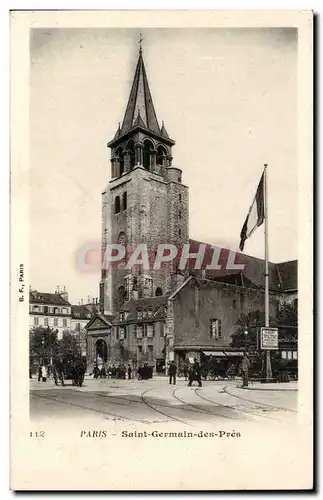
[[245, 364], [172, 372], [195, 374]]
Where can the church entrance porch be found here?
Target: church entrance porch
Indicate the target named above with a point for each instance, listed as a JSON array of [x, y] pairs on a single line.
[[101, 352]]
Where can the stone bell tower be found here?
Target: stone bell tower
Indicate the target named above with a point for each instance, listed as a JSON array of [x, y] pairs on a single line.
[[145, 201]]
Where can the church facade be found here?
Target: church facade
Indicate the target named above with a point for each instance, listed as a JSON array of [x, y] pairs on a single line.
[[147, 313]]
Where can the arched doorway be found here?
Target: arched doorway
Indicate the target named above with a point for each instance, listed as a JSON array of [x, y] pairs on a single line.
[[101, 351]]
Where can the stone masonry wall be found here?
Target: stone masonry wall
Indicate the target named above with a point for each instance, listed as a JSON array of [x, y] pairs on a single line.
[[196, 304]]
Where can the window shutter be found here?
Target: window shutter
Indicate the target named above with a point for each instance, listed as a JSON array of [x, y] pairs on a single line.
[[219, 328]]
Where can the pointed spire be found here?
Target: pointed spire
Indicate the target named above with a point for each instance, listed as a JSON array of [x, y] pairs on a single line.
[[140, 102], [118, 132], [140, 41], [163, 131]]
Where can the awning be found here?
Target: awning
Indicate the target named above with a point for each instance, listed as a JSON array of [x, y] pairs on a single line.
[[223, 354]]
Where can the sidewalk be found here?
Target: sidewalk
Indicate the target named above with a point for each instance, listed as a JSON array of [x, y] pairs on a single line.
[[279, 386]]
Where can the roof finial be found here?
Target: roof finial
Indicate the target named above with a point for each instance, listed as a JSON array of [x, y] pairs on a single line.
[[140, 40]]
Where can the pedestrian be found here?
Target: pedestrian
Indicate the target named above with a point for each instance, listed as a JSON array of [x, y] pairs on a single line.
[[55, 373], [139, 372], [195, 374], [96, 372], [44, 373], [129, 372], [245, 364], [39, 373], [185, 370], [172, 372]]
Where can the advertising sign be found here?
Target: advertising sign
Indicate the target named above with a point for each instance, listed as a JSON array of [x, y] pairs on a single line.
[[269, 338]]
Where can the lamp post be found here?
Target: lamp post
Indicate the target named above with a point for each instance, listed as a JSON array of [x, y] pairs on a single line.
[[246, 333], [42, 350]]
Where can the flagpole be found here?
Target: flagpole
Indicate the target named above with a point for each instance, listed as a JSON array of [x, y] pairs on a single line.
[[268, 358]]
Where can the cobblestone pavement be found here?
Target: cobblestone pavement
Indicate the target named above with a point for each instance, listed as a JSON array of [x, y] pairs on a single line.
[[154, 401]]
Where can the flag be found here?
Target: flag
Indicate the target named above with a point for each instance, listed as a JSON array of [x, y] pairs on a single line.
[[255, 216]]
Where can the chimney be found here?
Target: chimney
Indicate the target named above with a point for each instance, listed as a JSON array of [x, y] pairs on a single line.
[[203, 273], [88, 299], [81, 302]]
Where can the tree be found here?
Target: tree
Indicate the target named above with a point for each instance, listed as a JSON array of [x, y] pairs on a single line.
[[285, 321], [69, 346], [43, 343]]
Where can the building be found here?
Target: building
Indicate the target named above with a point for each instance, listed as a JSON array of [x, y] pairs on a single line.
[[155, 315], [80, 316], [202, 314], [54, 310], [51, 310]]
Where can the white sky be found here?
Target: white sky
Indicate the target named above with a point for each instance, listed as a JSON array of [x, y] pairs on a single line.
[[228, 98]]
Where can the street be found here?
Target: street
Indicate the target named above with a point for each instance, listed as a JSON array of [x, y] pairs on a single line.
[[156, 401]]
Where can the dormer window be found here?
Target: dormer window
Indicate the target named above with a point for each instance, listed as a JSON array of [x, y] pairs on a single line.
[[150, 313], [121, 316], [139, 314]]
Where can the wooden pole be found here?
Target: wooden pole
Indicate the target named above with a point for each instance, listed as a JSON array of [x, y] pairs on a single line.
[[268, 358]]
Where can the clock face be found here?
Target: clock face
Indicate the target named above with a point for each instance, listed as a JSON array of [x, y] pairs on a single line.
[[122, 239]]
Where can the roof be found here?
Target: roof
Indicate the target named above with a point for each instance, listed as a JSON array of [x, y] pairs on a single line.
[[154, 304], [99, 321], [282, 277], [81, 312], [140, 111], [47, 298], [140, 101], [287, 272]]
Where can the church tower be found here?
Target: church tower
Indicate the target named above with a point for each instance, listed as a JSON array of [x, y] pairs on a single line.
[[145, 201]]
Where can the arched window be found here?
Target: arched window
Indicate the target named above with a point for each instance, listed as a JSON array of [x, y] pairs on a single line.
[[159, 291], [161, 156], [131, 149], [148, 147], [122, 238], [119, 154], [117, 205], [124, 201]]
